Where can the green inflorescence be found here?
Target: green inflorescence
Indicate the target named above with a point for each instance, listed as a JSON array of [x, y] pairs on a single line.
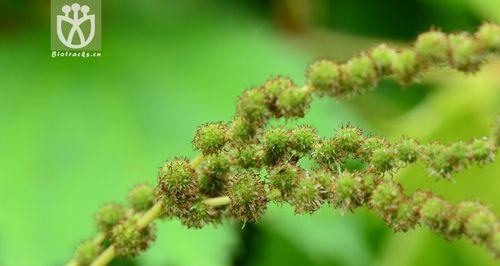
[[246, 164]]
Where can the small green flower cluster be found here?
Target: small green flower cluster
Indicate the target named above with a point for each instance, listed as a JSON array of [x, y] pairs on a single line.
[[245, 164], [119, 226], [461, 51], [268, 170]]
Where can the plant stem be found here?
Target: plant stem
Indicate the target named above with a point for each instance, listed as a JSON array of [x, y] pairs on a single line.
[[105, 257], [150, 216], [218, 201]]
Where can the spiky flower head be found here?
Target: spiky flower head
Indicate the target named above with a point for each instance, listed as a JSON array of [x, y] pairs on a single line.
[[324, 77], [293, 102], [109, 215], [382, 56], [325, 180], [252, 106], [405, 66], [210, 138], [241, 131], [489, 35], [386, 199], [348, 139], [141, 197], [213, 173], [326, 155], [200, 214], [360, 74], [481, 226], [442, 161], [370, 144], [435, 213], [248, 156], [383, 160], [284, 178], [393, 206], [408, 150], [177, 178], [248, 197], [347, 192], [303, 139], [466, 54], [306, 196], [432, 46], [129, 240], [177, 186], [276, 145], [483, 150], [87, 252], [460, 215], [275, 86]]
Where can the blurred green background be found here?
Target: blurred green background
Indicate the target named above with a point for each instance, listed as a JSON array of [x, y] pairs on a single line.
[[76, 133]]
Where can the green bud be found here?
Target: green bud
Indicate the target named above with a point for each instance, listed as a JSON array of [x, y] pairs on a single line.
[[324, 77], [303, 139], [326, 154], [275, 86], [213, 174], [109, 215], [177, 179], [360, 74], [252, 106], [439, 160], [383, 160], [466, 53], [460, 215], [432, 46], [435, 213], [248, 156], [482, 150], [306, 196], [405, 217], [325, 181], [241, 130], [177, 186], [370, 183], [408, 150], [284, 178], [348, 139], [489, 35], [386, 199], [420, 197], [370, 144], [293, 102], [199, 215], [87, 252], [129, 240], [141, 197], [276, 145], [248, 197], [405, 66], [347, 192], [481, 226], [211, 138], [382, 56]]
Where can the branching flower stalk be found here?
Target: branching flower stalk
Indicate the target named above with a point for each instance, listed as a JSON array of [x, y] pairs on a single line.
[[245, 164]]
